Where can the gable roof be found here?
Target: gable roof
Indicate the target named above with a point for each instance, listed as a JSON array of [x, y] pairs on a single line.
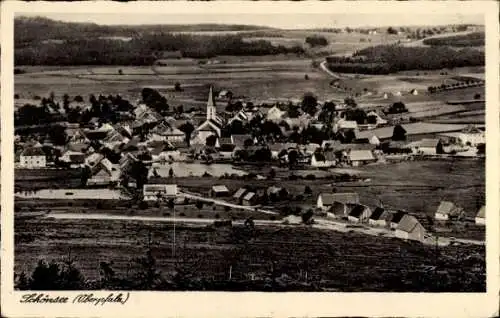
[[361, 155], [249, 196], [482, 212], [357, 210], [428, 143], [32, 151], [408, 223], [379, 214], [448, 208], [397, 216], [344, 198], [238, 194], [220, 188]]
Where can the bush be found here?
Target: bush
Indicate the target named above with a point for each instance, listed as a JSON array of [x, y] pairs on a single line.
[[316, 40], [143, 205], [310, 177]]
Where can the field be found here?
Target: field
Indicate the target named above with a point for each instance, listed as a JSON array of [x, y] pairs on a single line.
[[274, 259]]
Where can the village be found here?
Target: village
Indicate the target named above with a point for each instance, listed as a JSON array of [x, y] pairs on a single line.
[[142, 153]]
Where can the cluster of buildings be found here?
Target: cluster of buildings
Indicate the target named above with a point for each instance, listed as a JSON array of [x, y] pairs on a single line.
[[347, 206]]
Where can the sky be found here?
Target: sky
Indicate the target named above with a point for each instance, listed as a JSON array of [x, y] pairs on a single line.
[[284, 21]]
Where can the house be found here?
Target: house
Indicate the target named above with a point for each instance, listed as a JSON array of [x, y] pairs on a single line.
[[481, 216], [225, 94], [78, 137], [359, 214], [93, 159], [374, 141], [238, 195], [409, 228], [166, 132], [241, 116], [212, 125], [379, 217], [470, 136], [250, 199], [345, 125], [155, 192], [114, 138], [323, 159], [73, 158], [33, 157], [395, 218], [104, 173], [360, 157], [427, 146], [447, 210], [326, 201], [219, 191], [275, 114]]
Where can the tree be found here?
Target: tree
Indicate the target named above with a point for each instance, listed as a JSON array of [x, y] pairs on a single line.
[[78, 99], [85, 175], [187, 128], [120, 71], [477, 96], [199, 205], [399, 133], [139, 172], [171, 172], [316, 40], [309, 104], [272, 174], [58, 135], [392, 30], [307, 216], [350, 102], [292, 157], [177, 87], [308, 191]]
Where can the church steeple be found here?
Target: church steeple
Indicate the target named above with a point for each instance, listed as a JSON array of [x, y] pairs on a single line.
[[211, 110]]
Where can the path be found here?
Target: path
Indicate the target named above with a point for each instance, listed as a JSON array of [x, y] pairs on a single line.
[[225, 203]]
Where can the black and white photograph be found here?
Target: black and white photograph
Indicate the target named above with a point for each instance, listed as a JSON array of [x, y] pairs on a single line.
[[264, 152]]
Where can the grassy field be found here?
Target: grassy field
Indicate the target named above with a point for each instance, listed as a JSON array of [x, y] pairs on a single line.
[[343, 262]]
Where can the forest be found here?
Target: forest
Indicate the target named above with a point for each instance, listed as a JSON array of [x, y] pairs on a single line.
[[385, 59]]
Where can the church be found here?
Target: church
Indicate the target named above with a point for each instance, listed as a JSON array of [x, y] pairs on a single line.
[[212, 125]]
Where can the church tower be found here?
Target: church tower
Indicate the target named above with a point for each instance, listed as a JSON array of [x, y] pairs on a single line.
[[211, 110]]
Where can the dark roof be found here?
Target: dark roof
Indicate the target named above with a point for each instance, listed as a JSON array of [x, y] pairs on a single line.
[[344, 198], [378, 214], [358, 210], [33, 151], [397, 216]]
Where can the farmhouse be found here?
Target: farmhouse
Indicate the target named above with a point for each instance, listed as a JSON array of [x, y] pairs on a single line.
[[219, 191], [104, 173], [32, 157], [250, 199], [345, 125], [359, 157], [166, 132], [409, 228], [345, 201], [275, 114], [74, 158], [359, 213], [155, 192], [471, 136], [446, 211], [395, 218], [427, 147], [238, 195], [323, 160], [379, 217], [481, 216]]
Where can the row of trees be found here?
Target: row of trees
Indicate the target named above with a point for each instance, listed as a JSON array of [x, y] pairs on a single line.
[[447, 87], [384, 59]]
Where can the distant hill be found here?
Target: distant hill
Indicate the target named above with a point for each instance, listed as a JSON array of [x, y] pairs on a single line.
[[37, 29]]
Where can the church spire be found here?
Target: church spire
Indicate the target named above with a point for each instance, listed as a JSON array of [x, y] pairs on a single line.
[[211, 110]]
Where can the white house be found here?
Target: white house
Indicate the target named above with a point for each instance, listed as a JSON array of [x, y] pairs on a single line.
[[33, 157], [74, 158], [409, 228], [446, 210], [275, 114], [325, 201], [359, 214], [104, 173], [166, 132], [481, 216], [360, 157], [323, 160], [155, 192], [427, 146]]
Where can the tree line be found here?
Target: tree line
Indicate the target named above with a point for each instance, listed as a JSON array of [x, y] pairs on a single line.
[[142, 50], [385, 59], [471, 39]]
